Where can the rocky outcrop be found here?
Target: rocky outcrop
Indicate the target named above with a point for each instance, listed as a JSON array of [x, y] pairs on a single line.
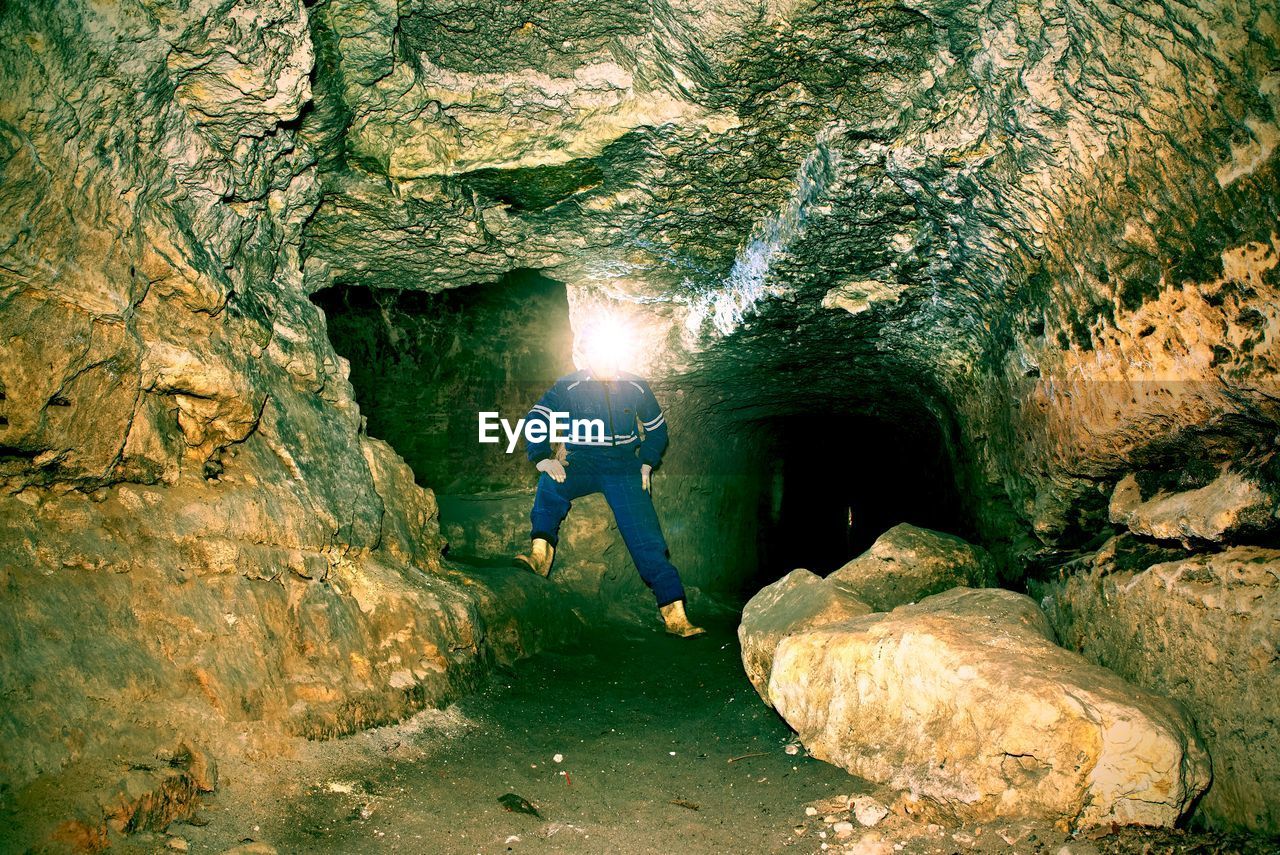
[[1229, 507], [907, 563], [198, 543], [1204, 630], [799, 601], [965, 700]]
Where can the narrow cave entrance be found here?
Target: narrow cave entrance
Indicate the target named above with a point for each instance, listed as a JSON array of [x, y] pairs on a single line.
[[424, 365], [840, 480]]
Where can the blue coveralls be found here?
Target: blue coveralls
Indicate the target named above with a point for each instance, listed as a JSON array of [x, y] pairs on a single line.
[[608, 464]]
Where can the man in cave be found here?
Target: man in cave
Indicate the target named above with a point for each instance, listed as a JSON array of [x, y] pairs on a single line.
[[618, 463]]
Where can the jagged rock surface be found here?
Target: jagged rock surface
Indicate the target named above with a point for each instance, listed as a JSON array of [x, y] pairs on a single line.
[[197, 541], [1220, 615], [1049, 228], [907, 563], [1229, 507], [798, 601], [920, 203], [965, 700]]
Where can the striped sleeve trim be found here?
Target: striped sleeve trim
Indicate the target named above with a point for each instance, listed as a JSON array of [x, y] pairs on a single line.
[[653, 424], [617, 440]]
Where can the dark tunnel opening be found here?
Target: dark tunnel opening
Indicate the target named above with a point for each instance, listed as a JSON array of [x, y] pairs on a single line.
[[423, 365], [840, 481]]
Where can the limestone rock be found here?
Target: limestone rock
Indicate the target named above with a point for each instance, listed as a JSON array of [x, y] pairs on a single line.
[[799, 601], [410, 528], [1230, 505], [907, 563], [965, 700], [183, 459], [868, 811], [1218, 613], [187, 499], [254, 848]]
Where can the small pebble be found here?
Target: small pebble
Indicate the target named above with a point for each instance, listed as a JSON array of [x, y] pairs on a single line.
[[559, 758], [811, 811], [177, 844], [869, 811]]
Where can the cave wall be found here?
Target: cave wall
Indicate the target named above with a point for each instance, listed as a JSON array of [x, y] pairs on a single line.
[[199, 546], [1052, 227], [1147, 619]]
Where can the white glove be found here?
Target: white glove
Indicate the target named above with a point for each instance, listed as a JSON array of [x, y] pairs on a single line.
[[554, 468], [645, 470]]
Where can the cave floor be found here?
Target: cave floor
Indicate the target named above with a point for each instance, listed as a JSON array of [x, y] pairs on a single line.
[[647, 726], [666, 748]]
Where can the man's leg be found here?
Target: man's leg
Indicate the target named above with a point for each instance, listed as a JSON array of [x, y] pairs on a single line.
[[633, 509], [551, 504]]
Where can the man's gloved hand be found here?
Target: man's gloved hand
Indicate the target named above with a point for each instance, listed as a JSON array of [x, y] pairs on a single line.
[[645, 473], [552, 467]]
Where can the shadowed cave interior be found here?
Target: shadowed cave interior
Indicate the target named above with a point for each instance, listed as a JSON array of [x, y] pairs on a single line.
[[423, 367], [963, 321]]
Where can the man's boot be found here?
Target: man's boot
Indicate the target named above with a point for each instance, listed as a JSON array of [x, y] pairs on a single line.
[[541, 554], [678, 622]]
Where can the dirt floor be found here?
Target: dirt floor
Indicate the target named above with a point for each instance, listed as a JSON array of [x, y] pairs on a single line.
[[662, 747]]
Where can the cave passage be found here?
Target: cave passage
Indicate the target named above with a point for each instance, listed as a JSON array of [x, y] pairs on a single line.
[[840, 480], [816, 487], [423, 365], [679, 757], [964, 320]]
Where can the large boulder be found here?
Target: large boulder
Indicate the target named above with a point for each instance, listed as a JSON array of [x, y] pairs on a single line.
[[965, 700], [1230, 505], [908, 563], [798, 601], [1203, 629]]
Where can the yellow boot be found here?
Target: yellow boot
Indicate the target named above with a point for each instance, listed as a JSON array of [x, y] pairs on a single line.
[[678, 622], [541, 554]]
